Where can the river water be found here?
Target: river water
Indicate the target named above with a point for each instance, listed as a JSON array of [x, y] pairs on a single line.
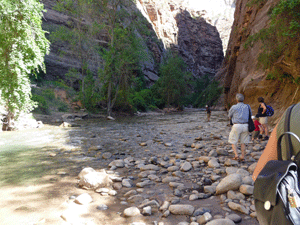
[[51, 155]]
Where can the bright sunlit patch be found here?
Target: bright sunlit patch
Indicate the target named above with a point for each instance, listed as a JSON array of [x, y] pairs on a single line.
[[213, 7]]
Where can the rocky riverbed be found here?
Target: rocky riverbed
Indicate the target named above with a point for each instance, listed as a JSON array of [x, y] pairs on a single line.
[[153, 168]]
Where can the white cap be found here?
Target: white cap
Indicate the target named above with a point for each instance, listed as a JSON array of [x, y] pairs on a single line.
[[253, 117]]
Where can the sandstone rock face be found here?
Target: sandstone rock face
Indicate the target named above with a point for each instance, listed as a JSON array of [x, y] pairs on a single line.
[[178, 24], [240, 72], [179, 27]]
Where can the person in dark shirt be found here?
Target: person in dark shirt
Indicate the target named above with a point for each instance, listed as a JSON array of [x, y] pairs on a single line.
[[263, 118], [208, 112]]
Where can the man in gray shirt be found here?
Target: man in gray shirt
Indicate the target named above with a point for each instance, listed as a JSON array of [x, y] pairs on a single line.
[[239, 114]]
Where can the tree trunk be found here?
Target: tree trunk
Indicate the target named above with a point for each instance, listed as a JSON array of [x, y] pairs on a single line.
[[8, 122], [109, 106]]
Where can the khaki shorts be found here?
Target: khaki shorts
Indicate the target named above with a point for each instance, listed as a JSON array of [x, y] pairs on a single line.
[[263, 120], [239, 132]]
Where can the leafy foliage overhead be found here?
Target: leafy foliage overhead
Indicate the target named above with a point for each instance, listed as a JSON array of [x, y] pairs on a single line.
[[22, 49]]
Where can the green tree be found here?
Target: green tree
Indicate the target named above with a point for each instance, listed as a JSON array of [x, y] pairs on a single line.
[[209, 94], [121, 55], [23, 46], [80, 37], [173, 82]]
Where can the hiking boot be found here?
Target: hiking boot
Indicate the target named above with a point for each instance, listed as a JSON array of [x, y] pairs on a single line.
[[260, 136], [266, 138]]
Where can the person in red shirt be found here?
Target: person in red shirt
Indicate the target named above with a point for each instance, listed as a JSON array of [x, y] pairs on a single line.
[[257, 133]]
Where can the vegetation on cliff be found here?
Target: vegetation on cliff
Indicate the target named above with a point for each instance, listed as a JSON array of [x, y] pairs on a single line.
[[119, 84], [280, 39]]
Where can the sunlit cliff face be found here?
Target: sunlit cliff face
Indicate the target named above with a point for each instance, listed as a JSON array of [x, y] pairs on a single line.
[[218, 13]]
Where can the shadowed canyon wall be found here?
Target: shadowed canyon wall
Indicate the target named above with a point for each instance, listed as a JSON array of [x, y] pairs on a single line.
[[170, 25]]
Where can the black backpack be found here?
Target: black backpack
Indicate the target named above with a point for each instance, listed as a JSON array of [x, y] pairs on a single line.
[[276, 191]]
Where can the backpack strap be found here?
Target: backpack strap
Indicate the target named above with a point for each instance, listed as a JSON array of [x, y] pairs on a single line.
[[279, 142], [287, 127]]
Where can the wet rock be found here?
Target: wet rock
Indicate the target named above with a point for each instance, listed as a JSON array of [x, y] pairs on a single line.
[[203, 219], [231, 170], [117, 163], [89, 178], [186, 167], [243, 172], [127, 183], [131, 212], [176, 184], [248, 180], [170, 179], [149, 167], [136, 199], [152, 203], [246, 189], [102, 207], [221, 222], [65, 124], [251, 168], [204, 158], [213, 163], [154, 178], [144, 183], [166, 213], [222, 152], [181, 209], [193, 197], [183, 223], [213, 153], [102, 190], [173, 168], [146, 173], [201, 211], [230, 182], [130, 193], [106, 155], [257, 147], [230, 162], [210, 189], [238, 207], [164, 206], [117, 186], [234, 217], [178, 193], [194, 223], [180, 156], [235, 195], [147, 211], [112, 193]]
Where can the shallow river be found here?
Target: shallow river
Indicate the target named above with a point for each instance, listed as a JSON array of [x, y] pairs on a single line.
[[35, 157]]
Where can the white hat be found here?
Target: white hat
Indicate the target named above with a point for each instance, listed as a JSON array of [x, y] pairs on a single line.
[[253, 117]]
